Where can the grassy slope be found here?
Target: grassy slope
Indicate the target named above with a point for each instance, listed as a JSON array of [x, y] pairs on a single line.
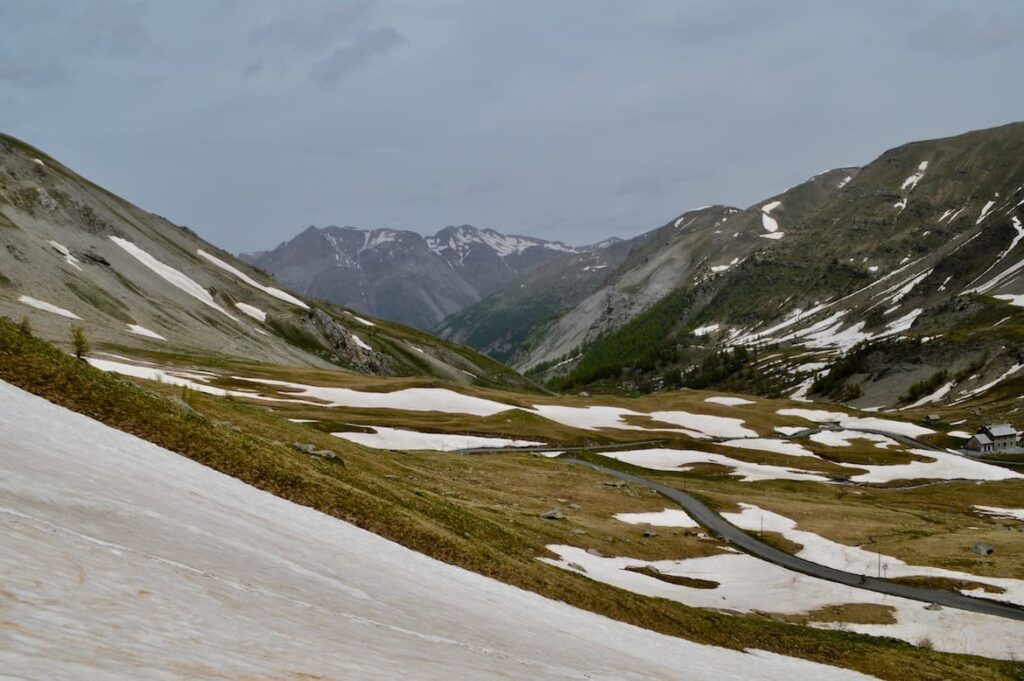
[[481, 515]]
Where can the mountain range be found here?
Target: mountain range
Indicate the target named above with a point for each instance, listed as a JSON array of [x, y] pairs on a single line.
[[402, 275], [922, 245]]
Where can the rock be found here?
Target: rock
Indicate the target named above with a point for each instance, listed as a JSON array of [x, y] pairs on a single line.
[[577, 567], [933, 607], [578, 531], [553, 514], [595, 552], [574, 507], [312, 450], [650, 533], [618, 484], [983, 549]]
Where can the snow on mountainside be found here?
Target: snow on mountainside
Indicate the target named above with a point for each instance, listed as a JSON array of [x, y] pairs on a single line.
[[919, 253], [122, 558], [71, 252], [401, 275]]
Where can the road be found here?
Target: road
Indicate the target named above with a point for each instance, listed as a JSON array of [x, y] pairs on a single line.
[[750, 544]]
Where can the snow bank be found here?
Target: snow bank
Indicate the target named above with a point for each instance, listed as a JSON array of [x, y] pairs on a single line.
[[1014, 513], [728, 401], [269, 290], [749, 584], [47, 307], [670, 517], [857, 423], [143, 331], [125, 559], [399, 439], [683, 459], [174, 277], [253, 311]]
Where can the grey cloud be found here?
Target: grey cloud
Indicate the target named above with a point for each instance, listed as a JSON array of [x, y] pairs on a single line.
[[46, 42], [354, 53]]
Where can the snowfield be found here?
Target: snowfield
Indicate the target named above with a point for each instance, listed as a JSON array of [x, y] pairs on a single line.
[[122, 560], [47, 307], [398, 439], [748, 584]]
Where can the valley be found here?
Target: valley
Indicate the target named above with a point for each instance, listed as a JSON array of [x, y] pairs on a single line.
[[305, 464]]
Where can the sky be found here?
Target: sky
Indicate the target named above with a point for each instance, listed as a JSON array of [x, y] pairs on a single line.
[[576, 120]]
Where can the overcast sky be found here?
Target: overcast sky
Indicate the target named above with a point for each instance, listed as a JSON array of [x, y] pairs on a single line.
[[249, 120]]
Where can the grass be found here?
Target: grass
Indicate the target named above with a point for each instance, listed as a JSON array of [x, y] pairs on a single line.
[[481, 513]]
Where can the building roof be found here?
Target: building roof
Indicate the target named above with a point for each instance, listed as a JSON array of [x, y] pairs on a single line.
[[1001, 430], [981, 439]]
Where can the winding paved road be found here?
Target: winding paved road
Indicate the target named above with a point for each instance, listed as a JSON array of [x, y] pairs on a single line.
[[740, 539]]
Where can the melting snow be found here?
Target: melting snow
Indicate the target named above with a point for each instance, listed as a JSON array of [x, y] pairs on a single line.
[[361, 343], [911, 182], [705, 330], [670, 517], [47, 307], [96, 536], [684, 459], [171, 275], [857, 423], [985, 211], [1013, 513], [269, 290], [728, 401], [410, 440], [841, 438], [68, 258], [252, 311], [143, 331]]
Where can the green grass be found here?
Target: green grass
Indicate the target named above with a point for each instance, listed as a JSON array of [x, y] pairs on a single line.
[[478, 513]]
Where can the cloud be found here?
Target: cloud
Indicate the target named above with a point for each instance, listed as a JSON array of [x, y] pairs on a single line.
[[43, 43], [350, 56], [327, 40]]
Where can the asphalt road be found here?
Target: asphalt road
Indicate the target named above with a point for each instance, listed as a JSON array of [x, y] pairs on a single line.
[[750, 544]]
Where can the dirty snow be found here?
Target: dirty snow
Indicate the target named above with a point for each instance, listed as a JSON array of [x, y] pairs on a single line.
[[171, 275], [748, 584], [764, 444], [683, 459], [841, 438], [47, 307], [670, 517], [408, 399], [1013, 513], [941, 392], [940, 466], [111, 543], [400, 439], [857, 423], [269, 290]]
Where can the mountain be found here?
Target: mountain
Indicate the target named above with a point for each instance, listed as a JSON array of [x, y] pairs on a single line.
[[500, 324], [72, 253], [401, 275], [883, 286]]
